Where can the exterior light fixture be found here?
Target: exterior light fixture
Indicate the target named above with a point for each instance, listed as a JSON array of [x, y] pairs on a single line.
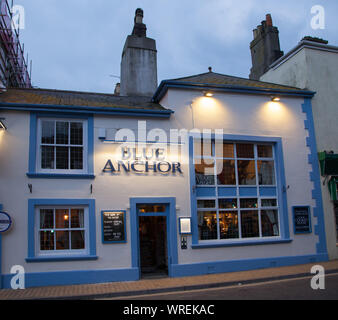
[[275, 99], [208, 94], [2, 125]]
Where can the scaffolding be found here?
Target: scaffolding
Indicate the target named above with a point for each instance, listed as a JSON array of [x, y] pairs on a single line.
[[13, 66]]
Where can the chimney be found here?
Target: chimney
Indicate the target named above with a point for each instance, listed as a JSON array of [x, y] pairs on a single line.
[[265, 48], [139, 61]]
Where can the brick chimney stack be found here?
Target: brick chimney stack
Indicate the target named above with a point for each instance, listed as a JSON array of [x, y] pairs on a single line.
[[265, 48]]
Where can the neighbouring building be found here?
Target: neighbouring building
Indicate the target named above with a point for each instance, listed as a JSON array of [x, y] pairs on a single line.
[[212, 173], [313, 64]]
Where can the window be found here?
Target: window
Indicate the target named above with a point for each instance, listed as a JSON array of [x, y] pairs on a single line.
[[246, 170], [61, 229], [62, 145]]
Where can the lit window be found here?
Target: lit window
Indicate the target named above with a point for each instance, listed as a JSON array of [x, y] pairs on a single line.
[[61, 230], [228, 167]]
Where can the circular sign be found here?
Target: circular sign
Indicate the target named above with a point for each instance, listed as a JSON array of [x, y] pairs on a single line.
[[5, 221]]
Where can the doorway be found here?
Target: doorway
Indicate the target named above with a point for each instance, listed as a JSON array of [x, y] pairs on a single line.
[[153, 245]]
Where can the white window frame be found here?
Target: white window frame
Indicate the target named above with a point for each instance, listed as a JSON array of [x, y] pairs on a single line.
[[69, 252], [85, 146]]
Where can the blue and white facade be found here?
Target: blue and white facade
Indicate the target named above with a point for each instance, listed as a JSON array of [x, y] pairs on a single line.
[[62, 167]]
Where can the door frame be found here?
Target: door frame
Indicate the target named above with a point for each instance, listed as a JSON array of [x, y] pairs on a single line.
[[170, 214]]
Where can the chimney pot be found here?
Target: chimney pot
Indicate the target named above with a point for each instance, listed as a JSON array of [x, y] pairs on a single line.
[[268, 20]]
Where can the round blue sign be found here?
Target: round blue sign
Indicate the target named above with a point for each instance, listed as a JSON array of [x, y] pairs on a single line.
[[5, 221]]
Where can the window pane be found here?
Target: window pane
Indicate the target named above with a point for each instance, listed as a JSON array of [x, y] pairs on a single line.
[[77, 218], [228, 225], [206, 204], [46, 219], [269, 220], [224, 150], [246, 172], [61, 219], [47, 132], [47, 157], [76, 133], [61, 158], [207, 225], [76, 158], [266, 172], [203, 147], [249, 224], [62, 240], [249, 203], [62, 132], [144, 208], [77, 240], [269, 202], [204, 172], [46, 240], [245, 150], [264, 151], [226, 172], [227, 203]]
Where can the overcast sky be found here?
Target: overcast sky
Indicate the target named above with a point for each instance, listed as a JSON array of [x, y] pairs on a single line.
[[77, 44]]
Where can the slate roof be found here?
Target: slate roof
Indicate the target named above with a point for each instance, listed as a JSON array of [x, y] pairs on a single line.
[[75, 98], [223, 79]]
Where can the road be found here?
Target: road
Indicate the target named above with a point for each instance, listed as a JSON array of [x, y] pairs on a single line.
[[288, 289]]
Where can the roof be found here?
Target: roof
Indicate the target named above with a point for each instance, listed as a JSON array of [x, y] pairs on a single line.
[[76, 98], [222, 82], [75, 101]]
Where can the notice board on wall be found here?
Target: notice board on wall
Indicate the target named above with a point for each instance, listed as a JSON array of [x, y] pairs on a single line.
[[302, 219], [113, 226]]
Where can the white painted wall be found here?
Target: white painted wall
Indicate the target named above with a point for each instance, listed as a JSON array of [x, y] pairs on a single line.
[[236, 114], [317, 70]]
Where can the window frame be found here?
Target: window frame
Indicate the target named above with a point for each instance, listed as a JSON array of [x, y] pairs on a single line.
[[84, 146], [280, 196], [34, 254]]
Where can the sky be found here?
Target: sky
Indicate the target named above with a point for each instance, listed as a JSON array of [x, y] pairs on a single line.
[[77, 44]]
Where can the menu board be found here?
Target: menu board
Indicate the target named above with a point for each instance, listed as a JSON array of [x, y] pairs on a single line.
[[302, 219], [113, 226]]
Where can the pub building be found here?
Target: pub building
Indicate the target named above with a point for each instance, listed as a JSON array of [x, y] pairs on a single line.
[[203, 174]]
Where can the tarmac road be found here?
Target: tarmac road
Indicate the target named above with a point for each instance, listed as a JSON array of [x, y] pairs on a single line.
[[288, 289]]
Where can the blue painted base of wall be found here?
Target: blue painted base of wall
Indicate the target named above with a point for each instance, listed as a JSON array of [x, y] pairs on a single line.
[[58, 278], [195, 269]]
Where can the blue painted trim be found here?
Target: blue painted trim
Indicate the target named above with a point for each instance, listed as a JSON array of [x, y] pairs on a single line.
[[153, 113], [125, 226], [59, 176], [309, 217], [195, 269], [32, 203], [58, 278], [179, 226], [33, 147], [240, 243], [166, 84], [318, 211], [171, 229], [62, 258], [280, 179]]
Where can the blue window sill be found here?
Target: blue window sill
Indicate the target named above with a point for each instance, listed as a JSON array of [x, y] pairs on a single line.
[[61, 258], [239, 244], [59, 176]]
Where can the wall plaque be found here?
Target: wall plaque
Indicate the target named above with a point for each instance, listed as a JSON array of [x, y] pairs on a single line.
[[302, 219]]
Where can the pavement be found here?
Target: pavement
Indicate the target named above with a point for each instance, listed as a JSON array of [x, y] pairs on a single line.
[[163, 285]]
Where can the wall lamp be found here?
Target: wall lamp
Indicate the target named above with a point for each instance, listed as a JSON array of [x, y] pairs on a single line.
[[2, 125], [275, 98], [208, 94]]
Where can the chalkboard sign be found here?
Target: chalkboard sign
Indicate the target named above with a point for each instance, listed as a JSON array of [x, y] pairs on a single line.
[[113, 226], [302, 219]]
